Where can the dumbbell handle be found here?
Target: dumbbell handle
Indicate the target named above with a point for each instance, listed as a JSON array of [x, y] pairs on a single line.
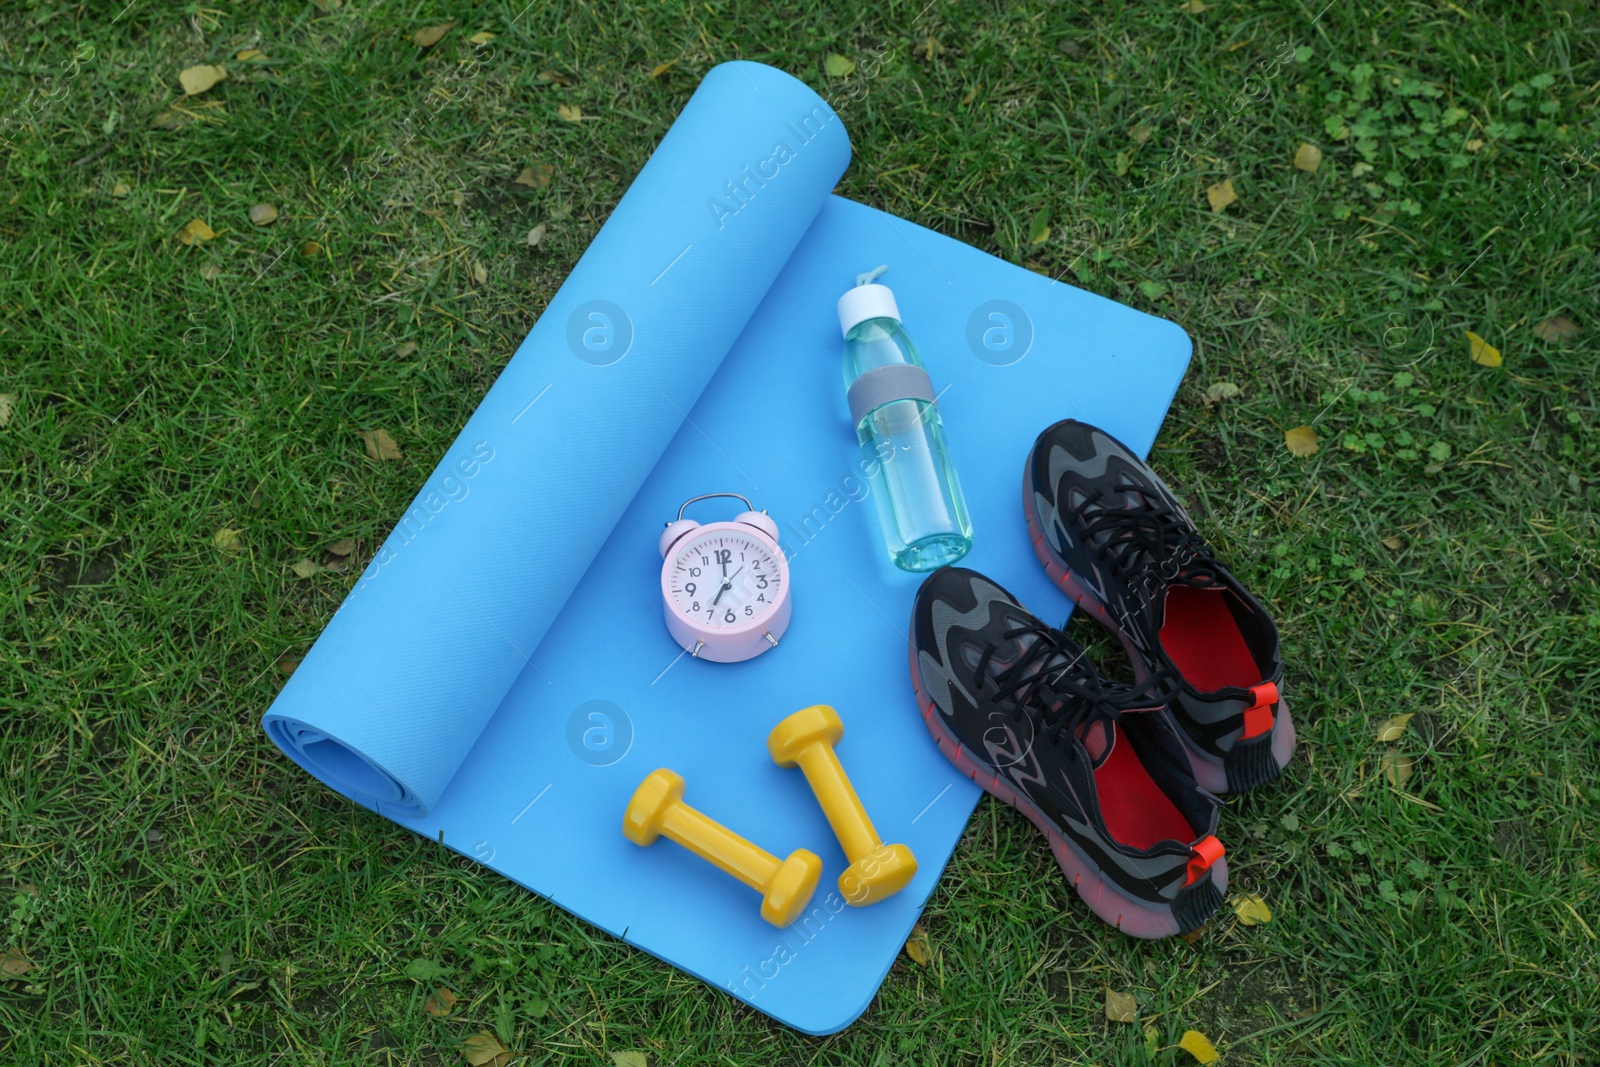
[[844, 809], [719, 846]]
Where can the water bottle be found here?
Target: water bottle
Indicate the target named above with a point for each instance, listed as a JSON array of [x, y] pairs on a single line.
[[910, 477]]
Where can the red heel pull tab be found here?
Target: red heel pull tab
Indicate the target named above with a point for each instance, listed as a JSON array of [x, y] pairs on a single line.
[[1203, 853], [1258, 717]]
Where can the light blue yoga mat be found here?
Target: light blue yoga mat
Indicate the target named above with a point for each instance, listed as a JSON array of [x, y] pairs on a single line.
[[501, 674]]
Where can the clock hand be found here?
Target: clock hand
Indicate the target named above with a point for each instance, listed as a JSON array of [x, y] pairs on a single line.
[[727, 584]]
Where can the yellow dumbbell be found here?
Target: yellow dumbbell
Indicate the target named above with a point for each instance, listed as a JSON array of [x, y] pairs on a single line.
[[876, 870], [657, 810]]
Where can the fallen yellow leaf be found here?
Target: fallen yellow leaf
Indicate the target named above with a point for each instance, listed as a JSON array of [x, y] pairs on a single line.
[[661, 68], [342, 547], [440, 1002], [555, 77], [121, 189], [570, 112], [838, 66], [480, 273], [196, 80], [482, 37], [483, 1049], [1302, 441], [311, 250], [1121, 1007], [1251, 910], [1555, 328], [1393, 727], [13, 964], [8, 404], [1199, 1046], [380, 446], [228, 541], [1393, 543], [1395, 767], [195, 231], [535, 177], [917, 946], [1308, 157], [429, 36], [305, 568], [1481, 351], [250, 55], [263, 214], [1194, 7], [1221, 194]]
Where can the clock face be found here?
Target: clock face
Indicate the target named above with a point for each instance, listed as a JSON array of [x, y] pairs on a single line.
[[720, 580]]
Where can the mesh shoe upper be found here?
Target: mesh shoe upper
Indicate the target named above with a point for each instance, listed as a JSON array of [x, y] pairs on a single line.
[[1100, 760]]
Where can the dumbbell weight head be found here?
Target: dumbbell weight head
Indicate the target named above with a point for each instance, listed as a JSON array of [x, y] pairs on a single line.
[[660, 791], [881, 873], [790, 890], [797, 733]]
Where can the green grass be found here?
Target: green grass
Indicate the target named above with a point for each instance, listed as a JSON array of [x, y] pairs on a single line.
[[186, 897]]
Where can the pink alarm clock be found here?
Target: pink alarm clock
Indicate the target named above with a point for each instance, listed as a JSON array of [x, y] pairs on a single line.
[[724, 586]]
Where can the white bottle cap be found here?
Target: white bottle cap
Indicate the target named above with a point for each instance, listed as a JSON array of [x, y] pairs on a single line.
[[866, 302]]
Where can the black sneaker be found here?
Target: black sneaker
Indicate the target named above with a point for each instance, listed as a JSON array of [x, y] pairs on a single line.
[[1095, 765], [1115, 539]]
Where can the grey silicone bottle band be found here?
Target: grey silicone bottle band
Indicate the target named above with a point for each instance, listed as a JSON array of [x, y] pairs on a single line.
[[897, 381]]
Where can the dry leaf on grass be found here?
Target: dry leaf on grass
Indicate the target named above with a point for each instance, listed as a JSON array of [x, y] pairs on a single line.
[[570, 112], [555, 77], [482, 37], [1301, 441], [630, 1058], [1555, 328], [380, 446], [1140, 134], [250, 55], [121, 189], [1194, 935], [342, 547], [838, 66], [1199, 1046], [1221, 391], [1194, 7], [14, 964], [429, 36], [483, 1049], [195, 231], [8, 407], [311, 250], [1251, 910], [661, 68], [211, 270], [305, 568], [1121, 1007], [1396, 767], [1392, 543], [536, 236], [228, 541], [196, 80], [480, 273], [1308, 157], [406, 351], [917, 946], [440, 1002], [287, 664], [1481, 351], [263, 214], [1221, 194], [1394, 727], [535, 177]]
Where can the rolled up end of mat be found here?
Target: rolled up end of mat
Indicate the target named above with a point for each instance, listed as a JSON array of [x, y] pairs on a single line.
[[342, 767]]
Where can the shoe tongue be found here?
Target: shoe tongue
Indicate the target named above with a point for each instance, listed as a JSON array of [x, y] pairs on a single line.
[[1099, 738]]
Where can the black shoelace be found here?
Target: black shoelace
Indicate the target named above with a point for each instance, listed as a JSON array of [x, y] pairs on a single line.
[[1147, 544], [1063, 690]]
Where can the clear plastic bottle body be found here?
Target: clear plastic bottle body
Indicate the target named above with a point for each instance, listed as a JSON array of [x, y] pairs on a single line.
[[912, 482]]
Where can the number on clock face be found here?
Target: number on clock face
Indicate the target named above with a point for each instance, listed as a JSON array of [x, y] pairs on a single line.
[[723, 580]]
